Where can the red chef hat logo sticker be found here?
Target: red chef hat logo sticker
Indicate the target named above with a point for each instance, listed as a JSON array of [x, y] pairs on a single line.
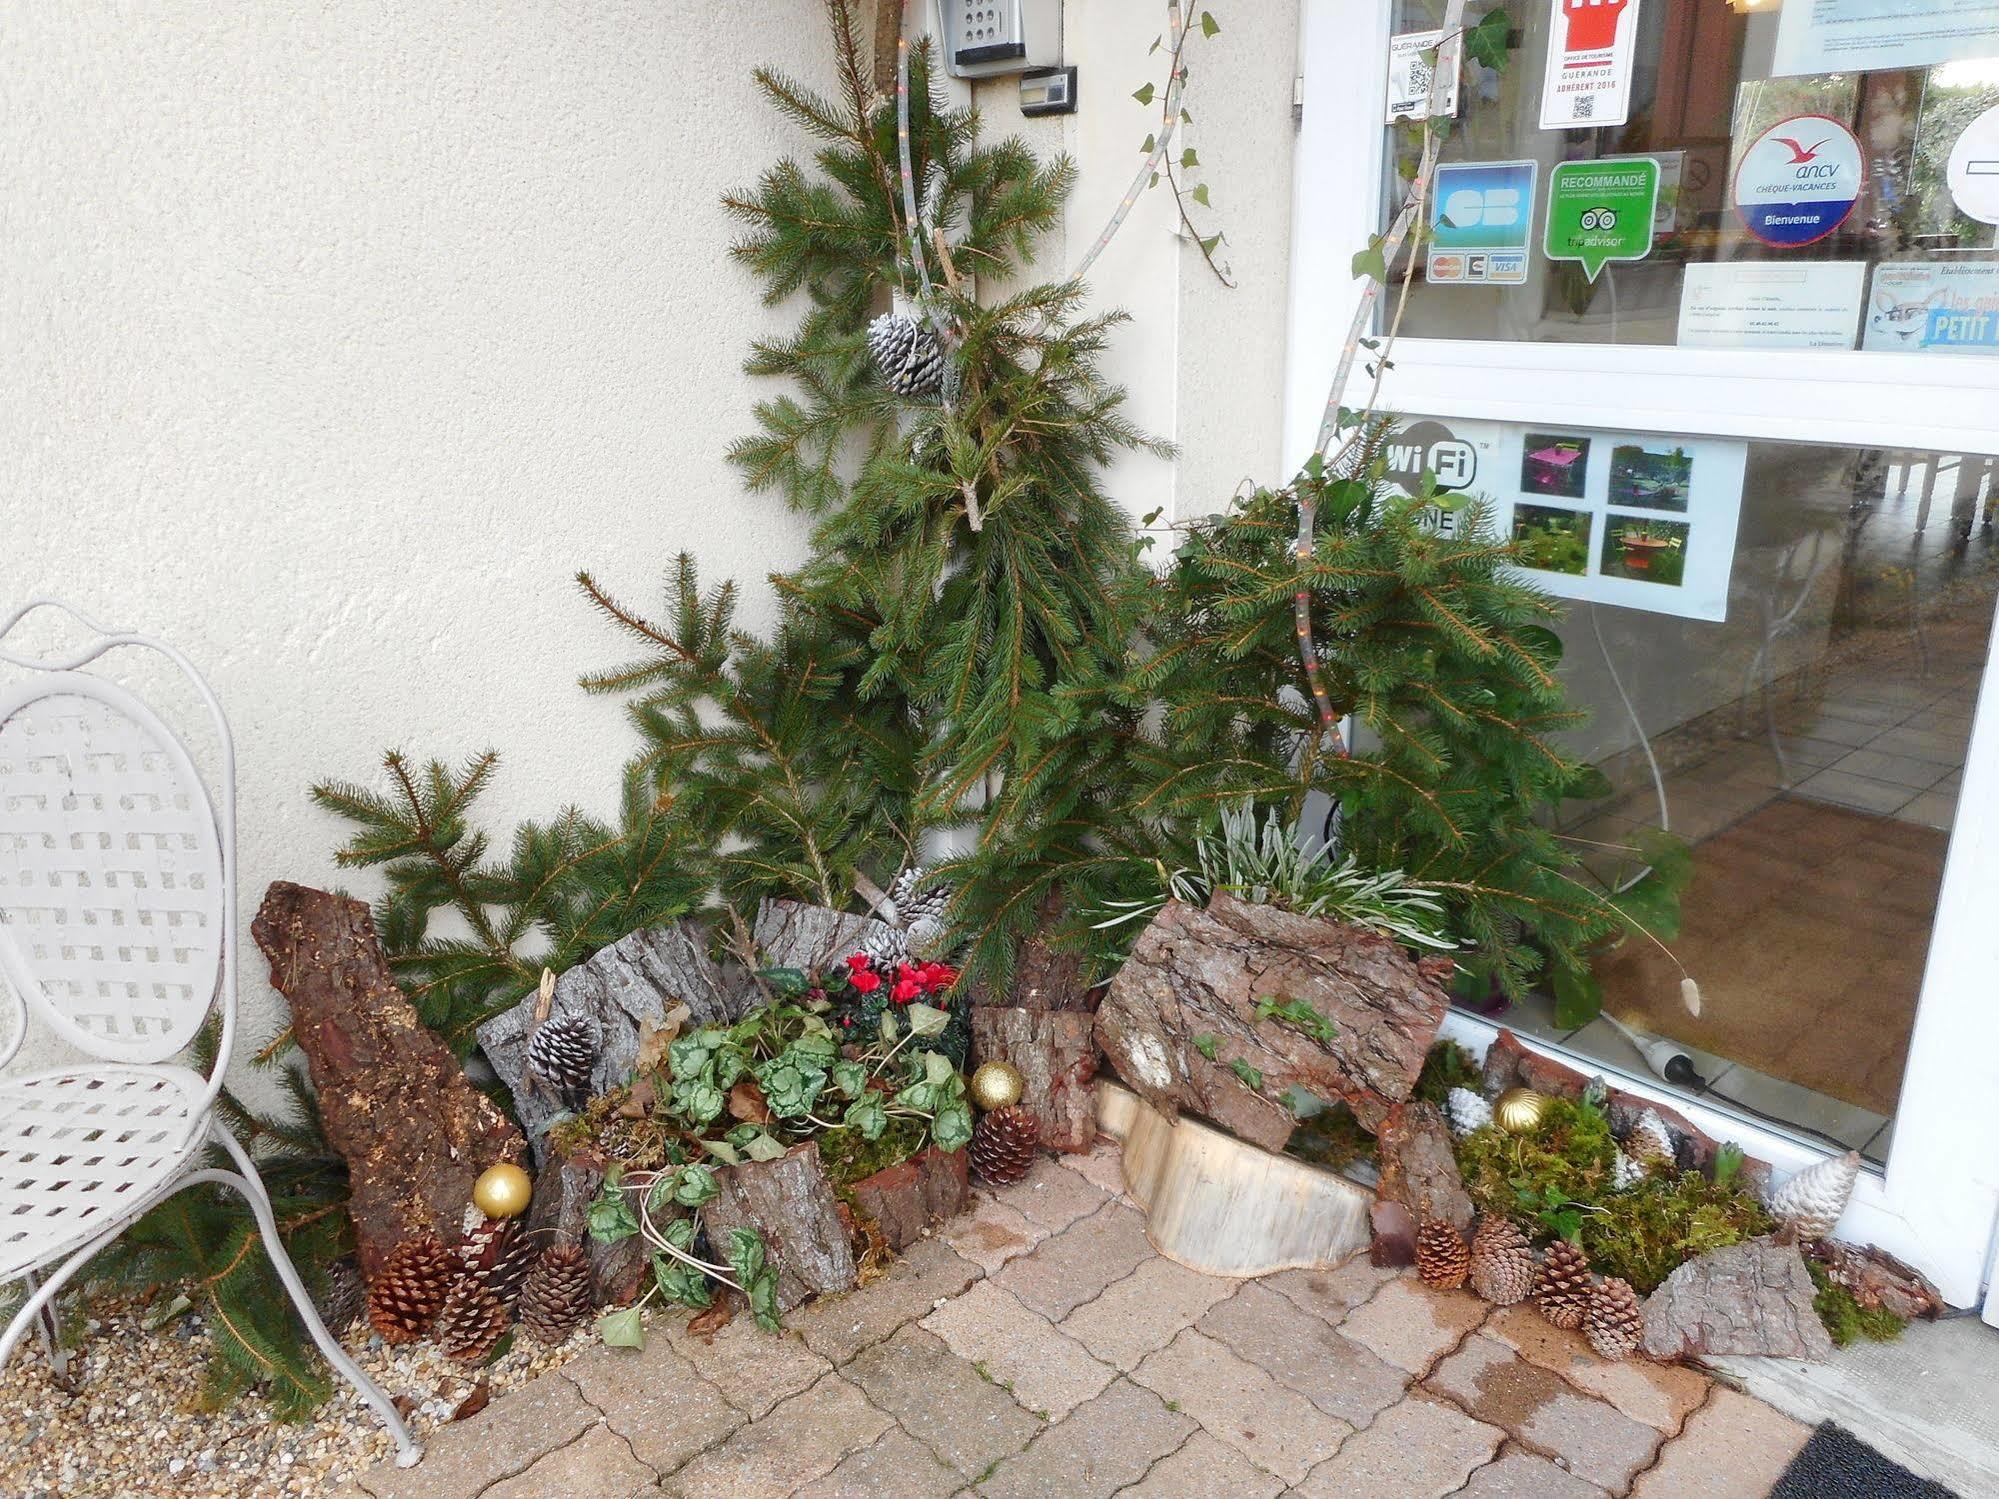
[[1591, 44]]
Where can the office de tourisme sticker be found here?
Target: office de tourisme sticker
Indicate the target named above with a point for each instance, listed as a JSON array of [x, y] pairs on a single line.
[[1799, 181]]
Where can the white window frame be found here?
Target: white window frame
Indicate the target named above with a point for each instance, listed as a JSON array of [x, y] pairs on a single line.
[[1937, 1201]]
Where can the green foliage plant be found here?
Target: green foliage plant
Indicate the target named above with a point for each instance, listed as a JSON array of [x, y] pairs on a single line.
[[1845, 1319]]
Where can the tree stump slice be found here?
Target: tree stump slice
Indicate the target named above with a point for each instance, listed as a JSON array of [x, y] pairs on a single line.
[[791, 1202], [560, 1214], [634, 982], [1419, 1169], [392, 1099], [915, 1195], [1222, 1206], [1753, 1298], [1196, 976], [1056, 1054]]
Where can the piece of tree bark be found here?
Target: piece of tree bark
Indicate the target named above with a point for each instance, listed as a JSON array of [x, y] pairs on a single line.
[[1056, 1054], [1418, 1167], [1753, 1298], [791, 934], [914, 1195], [392, 1099], [560, 1214], [1192, 985], [791, 1202], [636, 981], [1045, 977], [1394, 1245], [1874, 1277]]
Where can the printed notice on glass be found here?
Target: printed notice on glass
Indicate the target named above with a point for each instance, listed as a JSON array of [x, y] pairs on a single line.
[[1858, 36], [1938, 309], [1760, 305], [1412, 66], [1591, 46]]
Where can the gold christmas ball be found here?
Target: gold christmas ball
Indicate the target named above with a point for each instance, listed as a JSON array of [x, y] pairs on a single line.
[[1520, 1110], [997, 1085], [502, 1191]]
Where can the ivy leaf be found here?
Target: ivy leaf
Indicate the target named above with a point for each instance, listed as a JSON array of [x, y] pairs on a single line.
[[1189, 159], [1210, 242], [926, 1020], [1371, 262], [1209, 25], [724, 1151], [1251, 1076], [1144, 96], [1200, 194], [886, 1027], [622, 1328], [1205, 1044], [1485, 43], [952, 1127]]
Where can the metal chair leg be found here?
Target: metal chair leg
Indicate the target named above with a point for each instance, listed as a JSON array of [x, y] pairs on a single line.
[[49, 1324], [251, 1186]]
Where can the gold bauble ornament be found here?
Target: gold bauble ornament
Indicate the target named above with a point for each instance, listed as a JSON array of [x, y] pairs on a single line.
[[502, 1191], [997, 1085], [1520, 1110]]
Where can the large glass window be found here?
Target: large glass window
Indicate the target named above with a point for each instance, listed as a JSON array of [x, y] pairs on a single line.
[[1828, 209]]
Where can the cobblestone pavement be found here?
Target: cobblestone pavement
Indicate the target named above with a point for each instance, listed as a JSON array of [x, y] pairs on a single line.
[[1039, 1346]]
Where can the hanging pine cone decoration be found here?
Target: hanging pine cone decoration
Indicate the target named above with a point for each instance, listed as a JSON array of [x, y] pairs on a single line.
[[498, 1254], [1613, 1321], [562, 1053], [410, 1289], [1502, 1262], [1003, 1145], [922, 912], [1562, 1285], [470, 1324], [906, 355], [557, 1295], [1442, 1257]]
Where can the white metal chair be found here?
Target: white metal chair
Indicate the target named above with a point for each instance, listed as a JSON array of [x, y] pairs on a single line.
[[117, 931]]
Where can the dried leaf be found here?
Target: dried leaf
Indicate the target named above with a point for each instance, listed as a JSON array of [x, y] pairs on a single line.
[[472, 1404], [718, 1316], [747, 1103], [655, 1037], [545, 997]]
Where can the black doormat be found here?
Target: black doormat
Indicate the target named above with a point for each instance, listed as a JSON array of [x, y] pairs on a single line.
[[1836, 1462]]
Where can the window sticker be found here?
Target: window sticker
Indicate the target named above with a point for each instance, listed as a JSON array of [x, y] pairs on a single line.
[[1851, 36], [1944, 308], [1411, 67], [1481, 223], [1591, 47], [1973, 169], [1760, 304], [1600, 211], [1799, 181]]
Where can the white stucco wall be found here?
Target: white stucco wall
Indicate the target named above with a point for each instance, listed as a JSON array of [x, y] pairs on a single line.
[[338, 337]]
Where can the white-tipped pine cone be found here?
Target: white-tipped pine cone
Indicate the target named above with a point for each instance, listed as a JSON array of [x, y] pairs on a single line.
[[1466, 1111], [906, 355]]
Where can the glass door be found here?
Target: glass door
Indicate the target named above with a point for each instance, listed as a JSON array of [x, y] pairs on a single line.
[[1723, 351]]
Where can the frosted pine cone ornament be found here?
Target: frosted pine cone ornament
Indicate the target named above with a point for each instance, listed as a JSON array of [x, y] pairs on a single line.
[[1466, 1111], [906, 355]]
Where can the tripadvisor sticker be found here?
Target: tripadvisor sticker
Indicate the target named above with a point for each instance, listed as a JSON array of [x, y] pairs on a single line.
[[1600, 211]]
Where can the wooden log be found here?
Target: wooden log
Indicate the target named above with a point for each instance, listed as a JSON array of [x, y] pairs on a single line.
[[1418, 1167], [913, 1196], [392, 1099], [1225, 1207], [1192, 987], [1875, 1278], [1056, 1053], [791, 1202], [1045, 977], [633, 983], [560, 1214]]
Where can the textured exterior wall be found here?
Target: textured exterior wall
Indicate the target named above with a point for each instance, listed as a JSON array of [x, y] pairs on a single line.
[[338, 337]]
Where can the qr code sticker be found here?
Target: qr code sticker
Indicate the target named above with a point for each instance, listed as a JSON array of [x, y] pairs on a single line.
[[1585, 107], [1420, 76]]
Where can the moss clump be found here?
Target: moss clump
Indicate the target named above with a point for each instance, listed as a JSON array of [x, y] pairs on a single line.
[[1846, 1319], [1332, 1138], [850, 1157], [1448, 1066]]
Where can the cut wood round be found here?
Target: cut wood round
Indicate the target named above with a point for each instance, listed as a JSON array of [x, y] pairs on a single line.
[[1225, 1207]]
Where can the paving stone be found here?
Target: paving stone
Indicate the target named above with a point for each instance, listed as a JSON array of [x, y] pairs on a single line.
[[1276, 1428], [1102, 1166], [1660, 1395], [1334, 1291], [896, 1467], [1021, 1350], [1410, 1325], [802, 1439], [654, 1400], [1526, 1475], [1302, 1353], [1075, 1265], [1145, 1311], [1588, 1437], [752, 1368], [1105, 1445], [1207, 1468], [466, 1457], [597, 1465], [991, 1233], [942, 1401], [1729, 1447], [838, 1327], [1420, 1447], [1053, 1196]]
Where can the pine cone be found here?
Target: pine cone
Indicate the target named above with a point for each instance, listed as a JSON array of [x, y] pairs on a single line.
[[1502, 1263], [1810, 1204], [925, 933], [1467, 1111], [558, 1293], [1626, 1173], [410, 1289], [562, 1053], [1612, 1321], [340, 1295], [498, 1254], [886, 946], [1562, 1285], [1442, 1258], [1003, 1145], [906, 355], [470, 1323], [1649, 1142]]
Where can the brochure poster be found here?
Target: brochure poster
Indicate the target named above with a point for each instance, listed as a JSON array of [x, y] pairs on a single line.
[[1411, 68], [1634, 520], [1944, 309], [1481, 217], [1600, 211], [1799, 181], [1761, 304], [1591, 48], [1851, 36]]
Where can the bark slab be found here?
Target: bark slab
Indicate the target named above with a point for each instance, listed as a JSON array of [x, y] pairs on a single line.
[[791, 1202], [1056, 1053], [1419, 1169], [914, 1196], [1753, 1298]]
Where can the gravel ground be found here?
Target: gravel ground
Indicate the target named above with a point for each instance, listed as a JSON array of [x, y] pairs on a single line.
[[132, 1427]]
